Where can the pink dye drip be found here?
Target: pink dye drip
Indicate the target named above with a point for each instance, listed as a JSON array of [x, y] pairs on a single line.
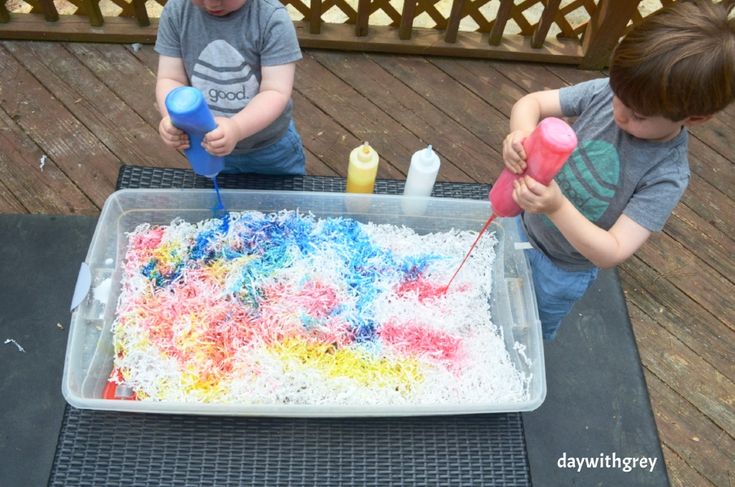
[[422, 287], [316, 299], [225, 325], [414, 339], [487, 224], [148, 240], [284, 307]]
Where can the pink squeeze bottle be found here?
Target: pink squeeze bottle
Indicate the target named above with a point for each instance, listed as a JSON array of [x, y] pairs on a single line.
[[547, 149]]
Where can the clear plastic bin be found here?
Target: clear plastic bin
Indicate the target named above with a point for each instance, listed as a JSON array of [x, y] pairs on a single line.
[[89, 353]]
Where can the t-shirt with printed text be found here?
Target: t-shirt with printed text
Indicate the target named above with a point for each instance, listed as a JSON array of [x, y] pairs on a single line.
[[223, 56]]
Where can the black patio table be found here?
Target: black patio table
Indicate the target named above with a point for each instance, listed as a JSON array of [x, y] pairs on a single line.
[[597, 404]]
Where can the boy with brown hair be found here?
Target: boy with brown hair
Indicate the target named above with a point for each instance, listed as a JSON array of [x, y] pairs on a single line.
[[672, 71]]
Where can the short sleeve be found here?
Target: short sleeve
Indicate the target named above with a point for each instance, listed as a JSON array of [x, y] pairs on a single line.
[[658, 194], [574, 99], [167, 38], [280, 44]]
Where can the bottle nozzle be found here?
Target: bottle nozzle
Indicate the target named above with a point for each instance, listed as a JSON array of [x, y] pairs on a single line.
[[365, 152]]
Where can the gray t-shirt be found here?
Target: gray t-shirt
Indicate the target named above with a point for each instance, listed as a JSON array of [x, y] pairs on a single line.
[[223, 56], [610, 173]]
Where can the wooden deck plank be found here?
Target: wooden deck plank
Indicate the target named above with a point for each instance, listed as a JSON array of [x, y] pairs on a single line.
[[322, 136], [534, 77], [9, 203], [457, 103], [681, 474], [691, 435], [120, 129], [315, 165], [147, 55], [702, 283], [712, 167], [695, 326], [485, 81], [28, 186], [116, 66], [683, 370], [63, 138], [717, 134], [451, 141], [710, 205], [357, 115], [712, 246]]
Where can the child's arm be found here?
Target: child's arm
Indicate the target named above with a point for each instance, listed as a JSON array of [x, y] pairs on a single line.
[[171, 74], [604, 248], [525, 115], [263, 109]]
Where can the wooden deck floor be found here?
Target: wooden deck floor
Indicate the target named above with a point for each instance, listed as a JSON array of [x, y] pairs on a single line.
[[72, 114]]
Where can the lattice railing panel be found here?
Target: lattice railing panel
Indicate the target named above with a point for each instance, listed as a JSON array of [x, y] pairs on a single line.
[[569, 21], [476, 15]]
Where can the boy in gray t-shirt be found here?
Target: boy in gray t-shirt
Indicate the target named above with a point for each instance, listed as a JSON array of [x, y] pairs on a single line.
[[241, 54], [630, 168]]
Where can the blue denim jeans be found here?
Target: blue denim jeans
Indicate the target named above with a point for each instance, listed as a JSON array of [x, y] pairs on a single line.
[[556, 289], [283, 157]]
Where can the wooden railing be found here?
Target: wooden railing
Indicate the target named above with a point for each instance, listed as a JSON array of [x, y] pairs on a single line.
[[587, 43]]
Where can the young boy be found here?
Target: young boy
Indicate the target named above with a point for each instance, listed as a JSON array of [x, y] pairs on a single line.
[[241, 54], [672, 71]]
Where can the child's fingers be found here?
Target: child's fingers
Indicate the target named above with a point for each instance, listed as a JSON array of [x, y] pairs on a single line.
[[518, 166], [517, 146], [513, 162], [533, 186], [519, 192], [170, 128], [214, 144], [511, 157], [183, 144]]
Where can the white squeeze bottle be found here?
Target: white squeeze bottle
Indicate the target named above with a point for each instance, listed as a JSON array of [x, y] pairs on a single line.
[[422, 173], [362, 169]]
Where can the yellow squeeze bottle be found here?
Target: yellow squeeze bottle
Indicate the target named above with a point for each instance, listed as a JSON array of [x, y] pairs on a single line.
[[362, 169]]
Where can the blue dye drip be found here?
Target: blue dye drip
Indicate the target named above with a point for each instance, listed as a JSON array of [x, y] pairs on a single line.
[[273, 239], [219, 207], [159, 279]]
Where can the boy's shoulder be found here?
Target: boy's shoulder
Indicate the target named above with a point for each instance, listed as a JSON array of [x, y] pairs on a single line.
[[593, 96], [274, 4], [262, 7], [596, 86], [266, 7]]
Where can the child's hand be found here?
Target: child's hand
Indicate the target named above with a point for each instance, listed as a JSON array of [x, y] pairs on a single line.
[[513, 154], [534, 197], [221, 141], [172, 136]]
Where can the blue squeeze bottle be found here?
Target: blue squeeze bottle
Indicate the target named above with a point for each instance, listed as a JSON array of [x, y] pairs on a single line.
[[189, 112]]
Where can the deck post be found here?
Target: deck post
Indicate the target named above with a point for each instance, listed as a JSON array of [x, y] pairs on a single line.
[[604, 30], [407, 14], [455, 16], [542, 28], [94, 13], [501, 19], [315, 17], [363, 18], [4, 14], [141, 13]]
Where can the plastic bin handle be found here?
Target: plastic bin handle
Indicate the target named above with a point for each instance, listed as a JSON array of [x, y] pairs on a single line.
[[81, 289]]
